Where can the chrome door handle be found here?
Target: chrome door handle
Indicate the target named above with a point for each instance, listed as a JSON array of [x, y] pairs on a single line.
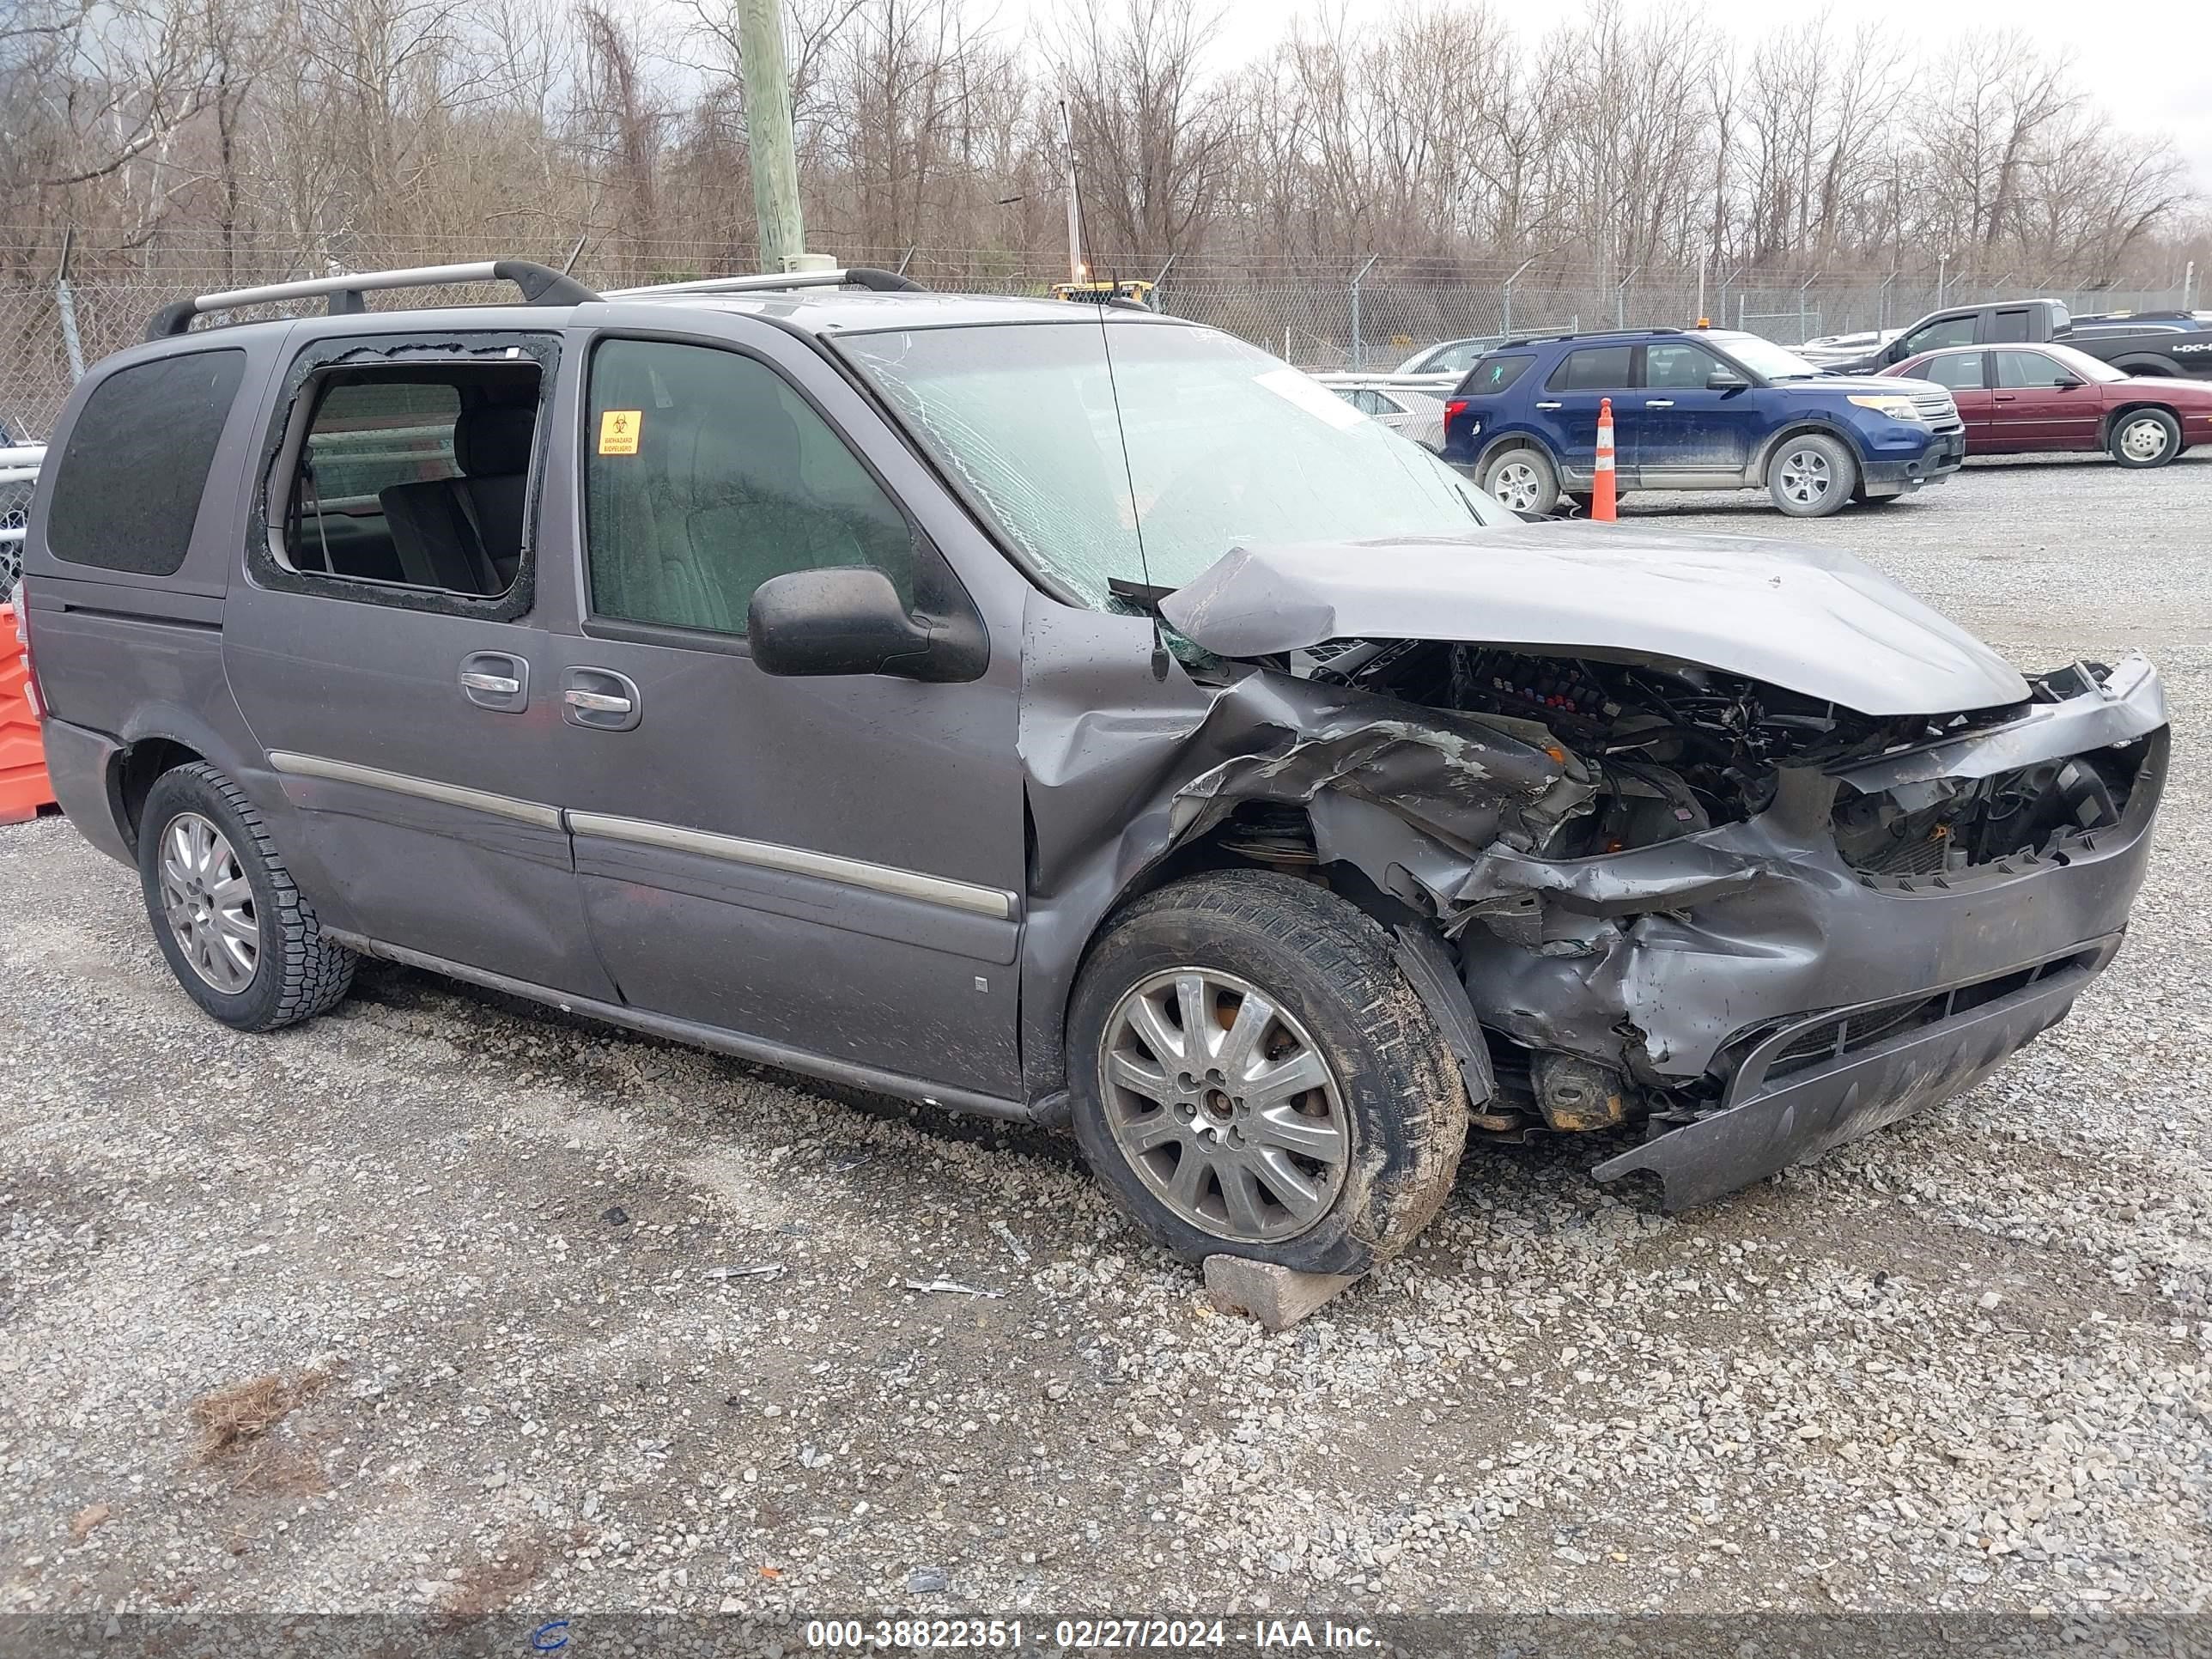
[[599, 700], [1547, 405], [1661, 402], [597, 703], [496, 680]]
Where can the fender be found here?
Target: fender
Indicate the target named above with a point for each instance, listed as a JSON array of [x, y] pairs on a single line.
[[1812, 420], [2113, 417], [1519, 434], [240, 758], [178, 723]]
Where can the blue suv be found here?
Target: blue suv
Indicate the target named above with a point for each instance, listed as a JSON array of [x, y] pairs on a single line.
[[1703, 408]]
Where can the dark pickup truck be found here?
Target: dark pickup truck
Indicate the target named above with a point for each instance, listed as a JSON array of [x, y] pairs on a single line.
[[2170, 344]]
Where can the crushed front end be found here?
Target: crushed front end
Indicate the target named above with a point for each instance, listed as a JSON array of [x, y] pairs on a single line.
[[1767, 926]]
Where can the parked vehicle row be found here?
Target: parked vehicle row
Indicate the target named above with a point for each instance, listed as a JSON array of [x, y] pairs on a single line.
[[2170, 345], [1706, 409], [1071, 714], [2019, 399]]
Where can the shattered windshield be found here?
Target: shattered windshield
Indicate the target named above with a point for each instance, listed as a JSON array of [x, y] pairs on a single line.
[[1227, 446]]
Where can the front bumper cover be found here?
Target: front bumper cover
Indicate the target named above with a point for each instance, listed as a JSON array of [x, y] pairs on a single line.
[[1767, 1126], [1941, 458], [1705, 959]]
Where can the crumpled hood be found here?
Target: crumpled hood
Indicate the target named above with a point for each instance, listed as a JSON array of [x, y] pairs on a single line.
[[1806, 618]]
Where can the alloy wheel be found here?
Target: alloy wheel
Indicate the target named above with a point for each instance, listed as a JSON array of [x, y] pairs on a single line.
[[209, 903], [2143, 440], [1224, 1106], [1805, 477], [1517, 486]]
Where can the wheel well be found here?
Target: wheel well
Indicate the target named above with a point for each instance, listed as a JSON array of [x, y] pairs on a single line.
[[2112, 420], [1802, 427], [1497, 447], [134, 772], [2161, 366], [1260, 835]]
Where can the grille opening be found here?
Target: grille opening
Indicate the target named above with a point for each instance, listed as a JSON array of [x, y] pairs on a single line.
[[1954, 825], [1836, 1038]]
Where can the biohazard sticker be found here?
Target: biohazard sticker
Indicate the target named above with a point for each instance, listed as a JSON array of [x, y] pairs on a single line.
[[618, 430]]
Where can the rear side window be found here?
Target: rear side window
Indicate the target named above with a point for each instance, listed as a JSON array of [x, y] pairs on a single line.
[[131, 479], [706, 474], [416, 476], [1594, 368], [1494, 374], [2009, 325], [1943, 331], [1961, 371]]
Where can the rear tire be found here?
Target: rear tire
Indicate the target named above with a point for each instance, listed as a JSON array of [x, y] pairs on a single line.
[[1812, 476], [1524, 479], [1337, 1166], [2145, 437], [237, 935]]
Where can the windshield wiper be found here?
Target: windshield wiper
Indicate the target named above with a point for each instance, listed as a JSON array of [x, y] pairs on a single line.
[[1145, 596]]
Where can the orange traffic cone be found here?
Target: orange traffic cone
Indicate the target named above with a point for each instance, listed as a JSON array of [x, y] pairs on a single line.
[[1601, 500]]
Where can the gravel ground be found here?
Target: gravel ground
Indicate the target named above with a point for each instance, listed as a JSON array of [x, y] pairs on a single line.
[[1965, 1364]]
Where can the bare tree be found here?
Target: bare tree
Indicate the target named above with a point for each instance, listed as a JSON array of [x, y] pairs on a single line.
[[1154, 138]]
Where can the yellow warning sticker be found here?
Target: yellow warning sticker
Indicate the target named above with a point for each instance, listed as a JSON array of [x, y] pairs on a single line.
[[618, 430]]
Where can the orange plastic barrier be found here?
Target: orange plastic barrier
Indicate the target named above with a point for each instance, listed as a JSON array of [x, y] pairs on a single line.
[[23, 786]]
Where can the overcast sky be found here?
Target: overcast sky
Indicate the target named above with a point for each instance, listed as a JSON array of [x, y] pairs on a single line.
[[2150, 63]]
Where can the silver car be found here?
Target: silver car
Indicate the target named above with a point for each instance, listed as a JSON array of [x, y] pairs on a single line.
[[1414, 412]]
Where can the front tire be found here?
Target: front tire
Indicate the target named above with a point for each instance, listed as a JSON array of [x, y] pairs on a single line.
[[2145, 437], [237, 935], [1524, 479], [1812, 476], [1252, 1075]]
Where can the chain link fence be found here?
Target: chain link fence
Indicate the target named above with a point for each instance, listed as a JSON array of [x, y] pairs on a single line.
[[19, 469], [1348, 314]]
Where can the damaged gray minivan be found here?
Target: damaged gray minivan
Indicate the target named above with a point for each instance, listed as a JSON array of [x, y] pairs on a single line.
[[1062, 712]]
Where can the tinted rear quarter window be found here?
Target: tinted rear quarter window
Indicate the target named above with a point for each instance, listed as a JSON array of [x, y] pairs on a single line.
[[130, 477], [1494, 374], [1594, 368]]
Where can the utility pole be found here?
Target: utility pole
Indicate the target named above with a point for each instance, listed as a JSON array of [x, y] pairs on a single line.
[[1076, 269], [768, 135]]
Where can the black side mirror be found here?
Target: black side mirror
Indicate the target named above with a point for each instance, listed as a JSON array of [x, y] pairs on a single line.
[[1720, 380], [845, 620], [2065, 383]]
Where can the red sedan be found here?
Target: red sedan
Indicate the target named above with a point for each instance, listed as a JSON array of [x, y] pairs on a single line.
[[2018, 400]]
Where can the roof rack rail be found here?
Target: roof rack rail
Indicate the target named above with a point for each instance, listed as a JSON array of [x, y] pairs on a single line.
[[867, 276], [1586, 334], [541, 285]]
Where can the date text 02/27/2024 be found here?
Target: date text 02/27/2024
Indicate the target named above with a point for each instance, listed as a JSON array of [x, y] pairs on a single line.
[[1087, 1635]]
